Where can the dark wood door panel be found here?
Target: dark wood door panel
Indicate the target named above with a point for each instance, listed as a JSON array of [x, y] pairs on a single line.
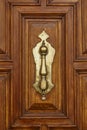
[[84, 20], [35, 26], [21, 106], [24, 29], [24, 2], [56, 2]]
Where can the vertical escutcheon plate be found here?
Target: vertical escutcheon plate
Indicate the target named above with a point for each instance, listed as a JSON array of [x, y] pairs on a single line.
[[43, 54]]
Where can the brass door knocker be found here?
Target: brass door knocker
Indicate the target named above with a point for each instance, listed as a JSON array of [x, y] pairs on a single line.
[[43, 54]]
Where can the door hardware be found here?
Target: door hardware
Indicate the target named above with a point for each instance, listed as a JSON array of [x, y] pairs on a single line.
[[43, 54]]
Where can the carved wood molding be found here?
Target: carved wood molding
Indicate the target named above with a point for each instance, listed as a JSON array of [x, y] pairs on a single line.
[[63, 2], [24, 2], [28, 20]]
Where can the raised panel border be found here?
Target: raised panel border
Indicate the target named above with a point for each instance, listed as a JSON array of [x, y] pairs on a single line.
[[80, 76], [4, 44], [54, 104], [80, 47], [68, 118], [62, 2], [24, 2], [84, 26], [5, 77]]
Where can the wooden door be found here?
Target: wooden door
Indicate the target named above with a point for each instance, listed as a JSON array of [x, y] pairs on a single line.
[[21, 107]]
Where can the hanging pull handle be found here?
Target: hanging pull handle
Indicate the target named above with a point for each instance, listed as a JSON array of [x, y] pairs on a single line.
[[43, 54], [43, 69]]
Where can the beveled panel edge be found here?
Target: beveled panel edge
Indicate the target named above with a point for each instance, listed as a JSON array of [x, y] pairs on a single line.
[[5, 75], [59, 2], [80, 76], [24, 3]]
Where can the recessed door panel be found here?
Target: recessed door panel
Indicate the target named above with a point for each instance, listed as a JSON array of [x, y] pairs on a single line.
[[43, 26]]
